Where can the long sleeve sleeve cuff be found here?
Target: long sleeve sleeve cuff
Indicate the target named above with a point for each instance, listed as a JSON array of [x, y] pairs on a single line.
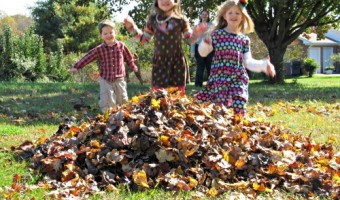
[[254, 65], [135, 31], [133, 66]]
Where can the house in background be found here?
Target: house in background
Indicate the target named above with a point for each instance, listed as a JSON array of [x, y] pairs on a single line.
[[322, 50]]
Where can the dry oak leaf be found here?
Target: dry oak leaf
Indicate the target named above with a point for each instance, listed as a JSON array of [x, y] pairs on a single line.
[[140, 178], [164, 155], [187, 147]]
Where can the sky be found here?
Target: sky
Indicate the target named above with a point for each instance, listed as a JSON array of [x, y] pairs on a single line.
[[13, 7]]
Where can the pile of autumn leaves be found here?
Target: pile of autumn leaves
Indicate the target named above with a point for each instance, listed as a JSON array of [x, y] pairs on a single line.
[[168, 141]]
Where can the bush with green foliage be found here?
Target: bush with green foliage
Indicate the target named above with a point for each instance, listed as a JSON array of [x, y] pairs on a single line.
[[8, 69], [22, 56], [335, 58], [83, 75], [29, 47], [330, 67], [56, 70], [310, 66]]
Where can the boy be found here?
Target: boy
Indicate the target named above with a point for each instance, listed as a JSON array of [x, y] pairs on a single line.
[[111, 55]]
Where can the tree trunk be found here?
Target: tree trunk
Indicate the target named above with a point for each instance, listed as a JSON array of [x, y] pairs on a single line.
[[276, 58]]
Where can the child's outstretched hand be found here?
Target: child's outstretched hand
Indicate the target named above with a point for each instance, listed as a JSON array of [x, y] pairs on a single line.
[[207, 40], [72, 70], [270, 68], [128, 22], [200, 29]]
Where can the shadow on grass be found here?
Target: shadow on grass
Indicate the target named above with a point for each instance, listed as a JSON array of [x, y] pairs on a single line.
[[269, 94], [51, 102]]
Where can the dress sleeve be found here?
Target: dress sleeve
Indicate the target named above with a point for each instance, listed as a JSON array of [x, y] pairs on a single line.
[[204, 49], [186, 30], [148, 31], [141, 36], [254, 65], [250, 63]]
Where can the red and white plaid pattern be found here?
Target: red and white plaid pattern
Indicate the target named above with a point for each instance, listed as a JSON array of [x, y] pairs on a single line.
[[110, 60]]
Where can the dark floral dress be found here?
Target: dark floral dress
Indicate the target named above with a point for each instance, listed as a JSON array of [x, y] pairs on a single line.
[[169, 64]]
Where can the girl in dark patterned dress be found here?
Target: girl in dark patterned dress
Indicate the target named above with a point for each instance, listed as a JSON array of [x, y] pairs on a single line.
[[228, 80], [168, 25]]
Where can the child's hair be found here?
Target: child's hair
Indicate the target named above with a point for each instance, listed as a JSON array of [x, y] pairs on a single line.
[[207, 11], [176, 9], [247, 24], [105, 23]]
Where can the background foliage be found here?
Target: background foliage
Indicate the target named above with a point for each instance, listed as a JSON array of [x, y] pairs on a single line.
[[70, 27]]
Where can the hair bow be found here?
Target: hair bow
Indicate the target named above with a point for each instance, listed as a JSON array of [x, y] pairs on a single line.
[[244, 3]]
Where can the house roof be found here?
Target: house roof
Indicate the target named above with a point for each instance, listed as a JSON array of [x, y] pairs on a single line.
[[333, 34], [332, 38]]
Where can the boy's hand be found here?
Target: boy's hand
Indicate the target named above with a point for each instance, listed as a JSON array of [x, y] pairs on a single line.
[[72, 70], [270, 68]]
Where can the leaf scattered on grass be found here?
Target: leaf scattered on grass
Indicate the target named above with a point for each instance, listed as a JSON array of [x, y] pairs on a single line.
[[162, 139]]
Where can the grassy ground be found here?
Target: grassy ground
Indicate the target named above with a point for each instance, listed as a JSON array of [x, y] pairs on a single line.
[[31, 110]]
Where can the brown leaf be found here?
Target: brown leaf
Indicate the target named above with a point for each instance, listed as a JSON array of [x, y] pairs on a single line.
[[164, 155], [187, 147]]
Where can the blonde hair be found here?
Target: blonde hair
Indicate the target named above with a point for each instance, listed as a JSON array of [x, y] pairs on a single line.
[[105, 23], [176, 9], [246, 25]]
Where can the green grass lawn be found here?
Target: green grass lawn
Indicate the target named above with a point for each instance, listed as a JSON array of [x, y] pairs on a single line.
[[310, 106]]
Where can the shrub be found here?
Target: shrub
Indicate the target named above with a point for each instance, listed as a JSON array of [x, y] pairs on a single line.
[[56, 70], [8, 68], [329, 68], [29, 55], [21, 56], [83, 75], [310, 66], [335, 58]]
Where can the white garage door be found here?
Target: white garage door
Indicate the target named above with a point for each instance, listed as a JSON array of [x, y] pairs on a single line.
[[315, 52], [327, 53]]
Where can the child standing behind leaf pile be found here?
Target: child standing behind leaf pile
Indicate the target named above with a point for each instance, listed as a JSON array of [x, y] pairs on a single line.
[[228, 81], [111, 55], [168, 25]]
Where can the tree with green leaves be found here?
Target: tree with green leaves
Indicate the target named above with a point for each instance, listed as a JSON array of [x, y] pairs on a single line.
[[277, 22], [47, 23], [74, 21]]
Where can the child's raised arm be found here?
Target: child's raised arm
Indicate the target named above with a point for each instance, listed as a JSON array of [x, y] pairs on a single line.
[[133, 29], [259, 65], [198, 31]]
